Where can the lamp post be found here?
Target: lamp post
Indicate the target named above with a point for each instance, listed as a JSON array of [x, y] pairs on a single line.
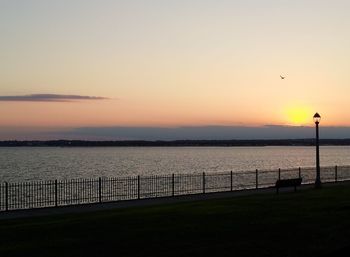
[[317, 119]]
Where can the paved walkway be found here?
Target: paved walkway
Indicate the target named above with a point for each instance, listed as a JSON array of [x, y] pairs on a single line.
[[143, 202]]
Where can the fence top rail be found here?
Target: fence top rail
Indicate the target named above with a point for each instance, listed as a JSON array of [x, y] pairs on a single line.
[[150, 176]]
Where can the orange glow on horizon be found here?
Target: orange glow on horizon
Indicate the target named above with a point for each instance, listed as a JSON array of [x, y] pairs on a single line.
[[119, 113]]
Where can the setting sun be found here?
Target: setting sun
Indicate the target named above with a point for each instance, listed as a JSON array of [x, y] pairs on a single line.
[[298, 115]]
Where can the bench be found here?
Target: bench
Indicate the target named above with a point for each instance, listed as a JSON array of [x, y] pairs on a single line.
[[293, 182]]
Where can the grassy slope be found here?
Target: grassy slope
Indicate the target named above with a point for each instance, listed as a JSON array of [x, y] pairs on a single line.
[[308, 223]]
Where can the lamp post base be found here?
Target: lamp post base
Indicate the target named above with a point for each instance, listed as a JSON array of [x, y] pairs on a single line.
[[318, 184]]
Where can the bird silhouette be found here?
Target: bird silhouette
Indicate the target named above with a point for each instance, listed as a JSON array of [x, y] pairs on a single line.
[[282, 77]]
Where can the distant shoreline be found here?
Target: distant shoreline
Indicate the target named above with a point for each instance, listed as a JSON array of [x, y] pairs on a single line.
[[175, 143]]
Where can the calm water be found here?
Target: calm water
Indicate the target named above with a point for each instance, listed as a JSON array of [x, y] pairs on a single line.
[[20, 164]]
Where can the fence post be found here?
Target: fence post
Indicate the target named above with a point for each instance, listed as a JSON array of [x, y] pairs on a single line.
[[279, 174], [173, 184], [6, 196], [138, 186], [299, 172], [256, 179], [100, 189], [231, 181], [203, 182], [336, 173], [56, 201]]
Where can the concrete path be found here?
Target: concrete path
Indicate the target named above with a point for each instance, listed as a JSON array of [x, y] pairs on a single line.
[[144, 202]]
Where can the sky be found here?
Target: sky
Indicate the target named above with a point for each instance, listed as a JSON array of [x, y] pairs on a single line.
[[73, 64]]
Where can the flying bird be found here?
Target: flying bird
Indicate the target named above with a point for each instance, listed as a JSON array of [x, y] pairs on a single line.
[[282, 77]]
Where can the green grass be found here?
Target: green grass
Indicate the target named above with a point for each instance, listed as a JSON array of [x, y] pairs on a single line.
[[308, 223]]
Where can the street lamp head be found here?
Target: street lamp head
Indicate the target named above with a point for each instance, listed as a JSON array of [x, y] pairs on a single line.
[[317, 118]]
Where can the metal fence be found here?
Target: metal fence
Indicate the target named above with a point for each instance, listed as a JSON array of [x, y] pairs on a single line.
[[40, 194]]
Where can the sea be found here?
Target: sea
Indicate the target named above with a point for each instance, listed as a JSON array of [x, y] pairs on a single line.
[[19, 164]]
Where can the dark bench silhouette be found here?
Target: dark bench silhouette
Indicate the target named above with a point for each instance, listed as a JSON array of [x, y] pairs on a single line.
[[293, 182]]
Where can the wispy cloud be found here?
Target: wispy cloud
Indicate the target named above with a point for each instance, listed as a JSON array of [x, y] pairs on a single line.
[[48, 98]]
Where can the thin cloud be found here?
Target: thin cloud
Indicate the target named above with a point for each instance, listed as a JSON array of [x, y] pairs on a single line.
[[49, 98]]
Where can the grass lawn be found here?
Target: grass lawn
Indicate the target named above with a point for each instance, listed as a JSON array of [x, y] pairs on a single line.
[[306, 223]]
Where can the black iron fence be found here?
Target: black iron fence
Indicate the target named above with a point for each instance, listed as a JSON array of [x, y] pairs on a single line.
[[51, 193]]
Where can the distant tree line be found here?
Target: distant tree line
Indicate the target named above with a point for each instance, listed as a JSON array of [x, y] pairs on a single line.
[[176, 143]]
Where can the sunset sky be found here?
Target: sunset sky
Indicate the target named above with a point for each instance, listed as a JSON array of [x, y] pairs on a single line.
[[70, 64]]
